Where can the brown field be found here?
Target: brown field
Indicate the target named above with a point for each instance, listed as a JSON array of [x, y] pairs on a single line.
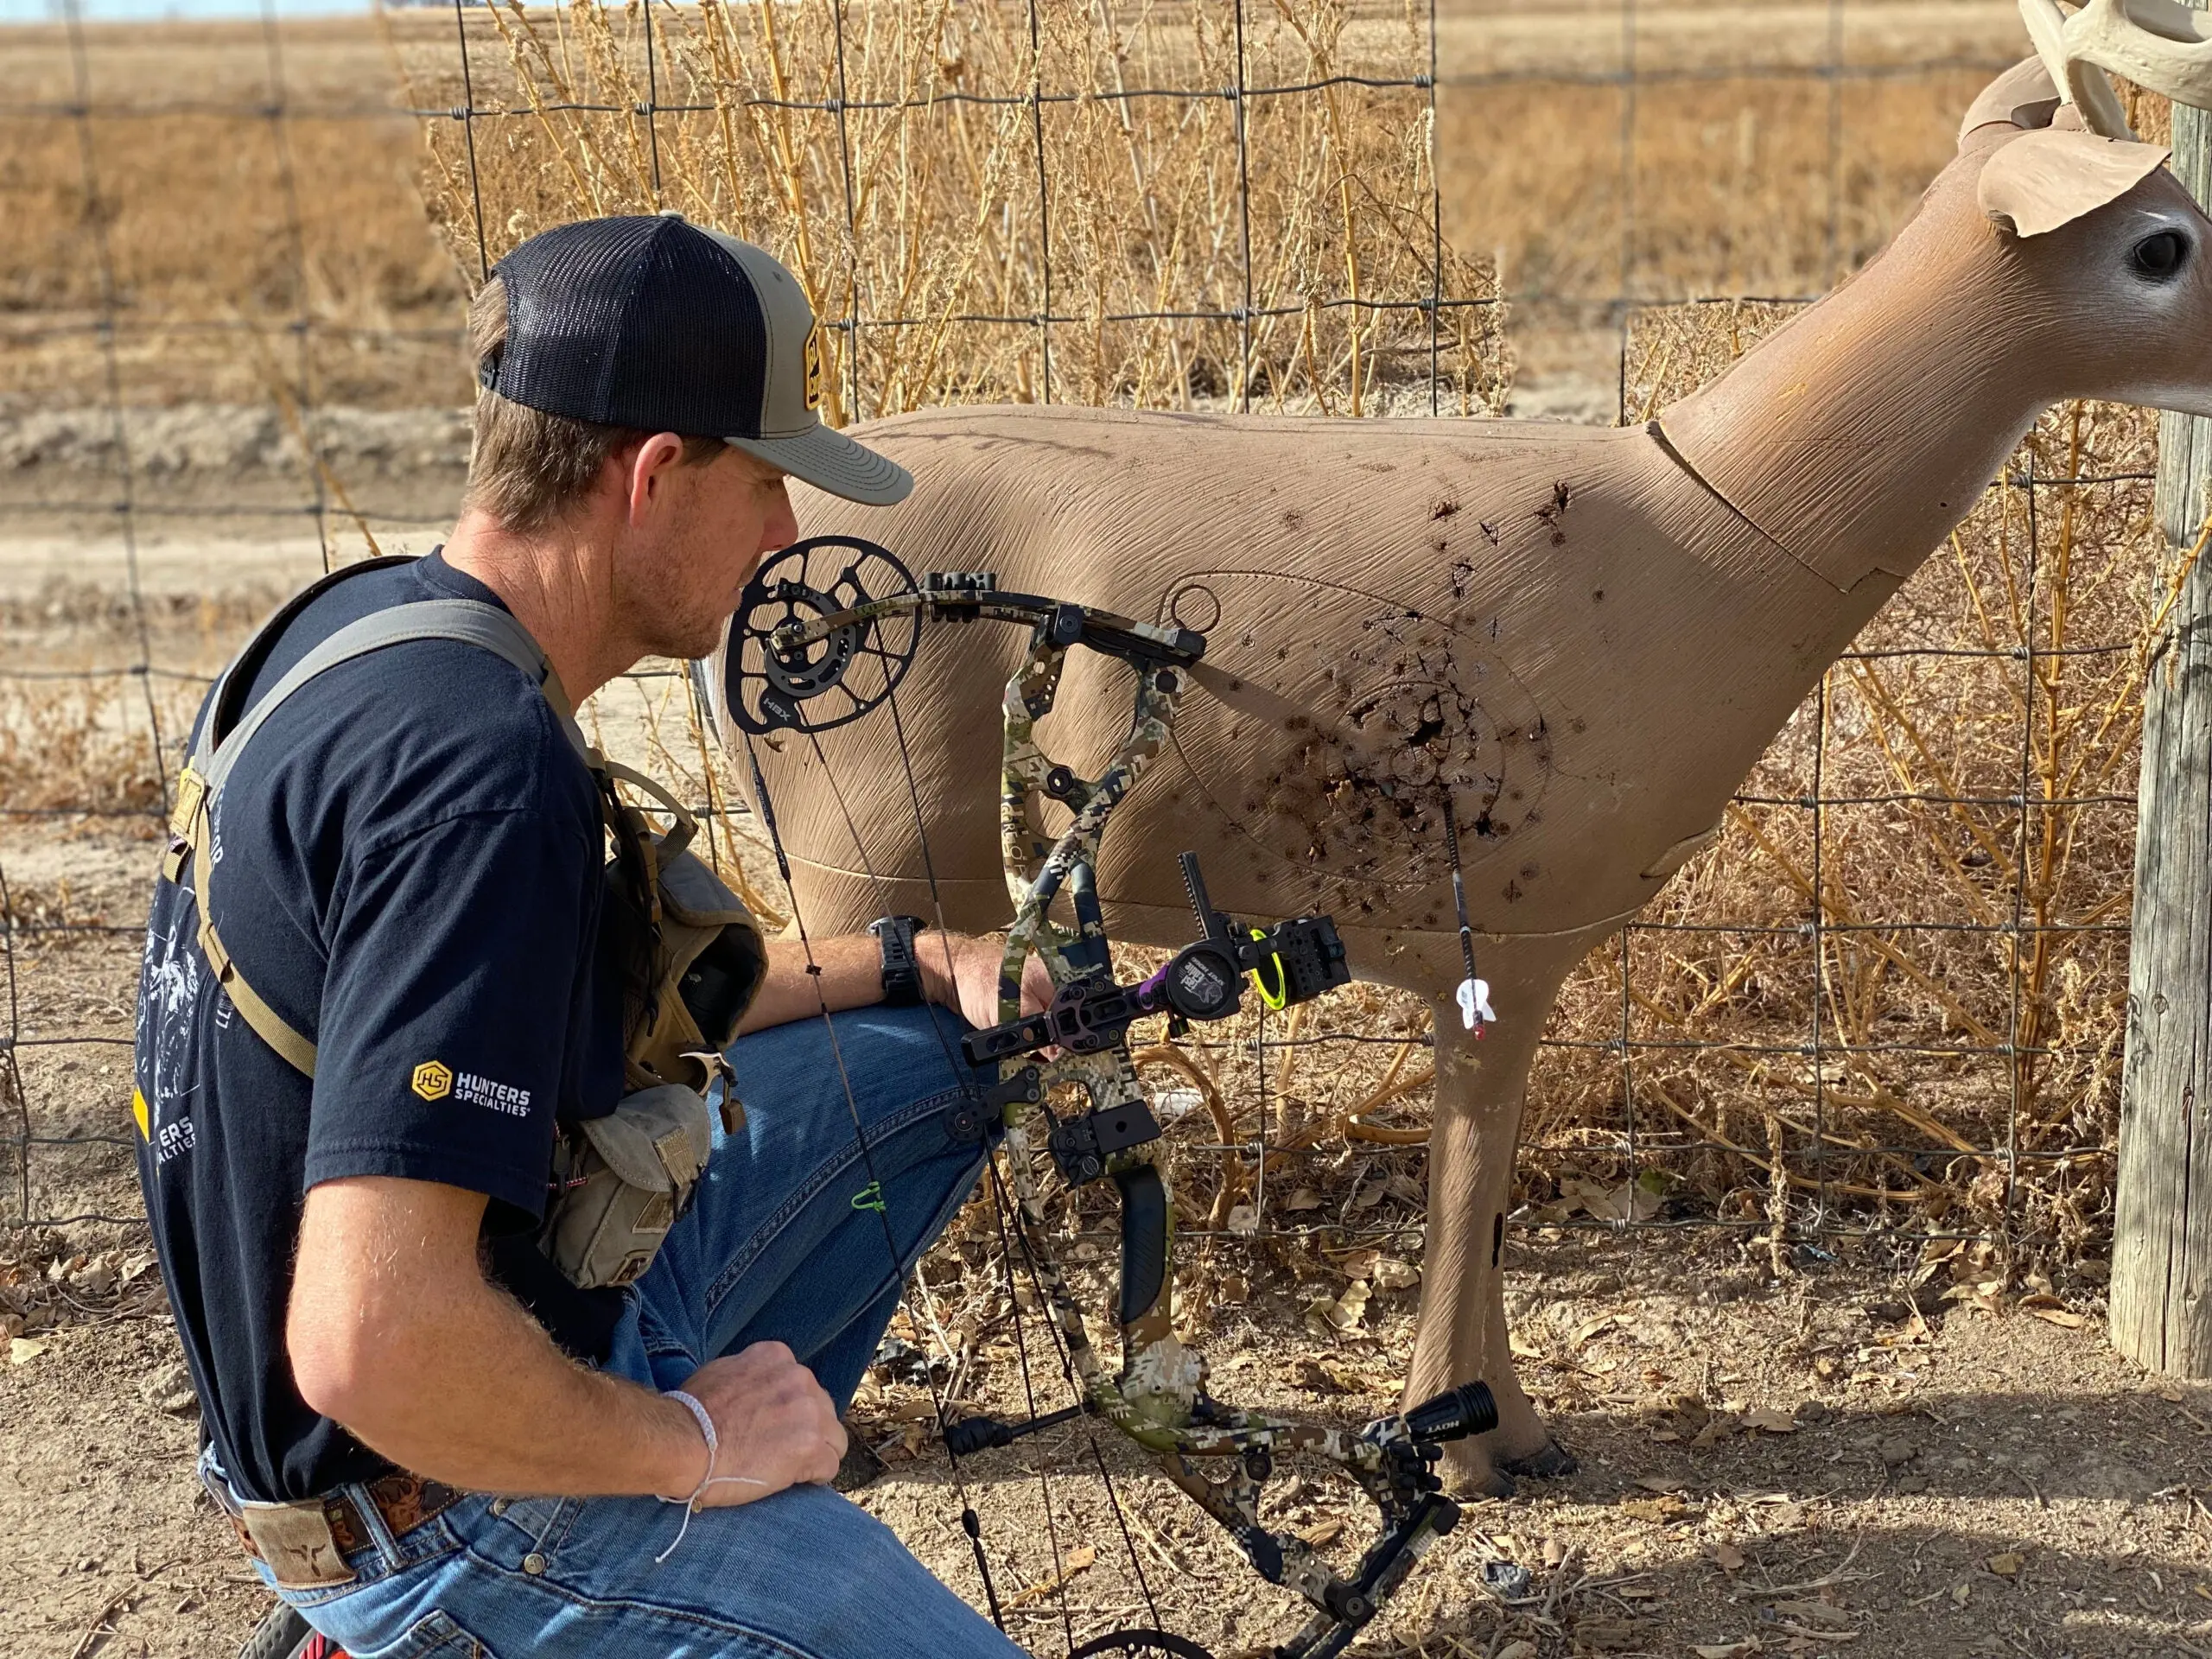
[[285, 292]]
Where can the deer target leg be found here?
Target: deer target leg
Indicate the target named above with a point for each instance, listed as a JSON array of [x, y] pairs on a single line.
[[1481, 1087]]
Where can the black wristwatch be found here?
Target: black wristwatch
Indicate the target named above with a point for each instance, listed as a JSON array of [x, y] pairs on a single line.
[[902, 970]]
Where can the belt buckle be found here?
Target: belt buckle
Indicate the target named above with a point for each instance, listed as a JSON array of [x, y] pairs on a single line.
[[295, 1541]]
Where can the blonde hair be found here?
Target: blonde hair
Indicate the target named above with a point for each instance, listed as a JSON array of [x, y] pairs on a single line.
[[528, 468]]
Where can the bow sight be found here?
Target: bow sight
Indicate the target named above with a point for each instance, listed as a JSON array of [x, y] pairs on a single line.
[[824, 633]]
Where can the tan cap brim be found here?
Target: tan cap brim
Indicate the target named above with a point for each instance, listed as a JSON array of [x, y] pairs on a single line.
[[827, 459]]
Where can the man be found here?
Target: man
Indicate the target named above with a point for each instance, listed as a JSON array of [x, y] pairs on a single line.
[[353, 1079]]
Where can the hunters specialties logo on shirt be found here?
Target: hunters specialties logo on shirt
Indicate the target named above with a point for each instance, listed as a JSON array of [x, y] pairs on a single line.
[[435, 1080]]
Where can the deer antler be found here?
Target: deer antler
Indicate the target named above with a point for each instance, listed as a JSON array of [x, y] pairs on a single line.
[[2161, 46]]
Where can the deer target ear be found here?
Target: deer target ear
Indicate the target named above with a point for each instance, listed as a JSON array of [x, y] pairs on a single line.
[[2024, 95], [2041, 180]]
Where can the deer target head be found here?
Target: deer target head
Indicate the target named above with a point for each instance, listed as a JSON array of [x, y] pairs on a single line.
[[2105, 257]]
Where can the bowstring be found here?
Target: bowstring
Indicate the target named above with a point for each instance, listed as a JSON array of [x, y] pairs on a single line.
[[1029, 1387], [1006, 1254], [1067, 1370], [945, 1046], [969, 1521]]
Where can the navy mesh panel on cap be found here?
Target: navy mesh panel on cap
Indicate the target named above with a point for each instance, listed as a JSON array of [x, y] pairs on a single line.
[[644, 322]]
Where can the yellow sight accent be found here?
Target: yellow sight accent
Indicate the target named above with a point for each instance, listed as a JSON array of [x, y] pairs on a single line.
[[1280, 997]]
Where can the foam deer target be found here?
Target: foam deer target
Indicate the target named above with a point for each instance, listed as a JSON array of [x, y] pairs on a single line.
[[1578, 639]]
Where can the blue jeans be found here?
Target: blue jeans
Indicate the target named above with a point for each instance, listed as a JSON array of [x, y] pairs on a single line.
[[776, 1246]]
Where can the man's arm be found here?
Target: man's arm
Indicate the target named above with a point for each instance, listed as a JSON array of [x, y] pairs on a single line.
[[958, 971], [393, 1332]]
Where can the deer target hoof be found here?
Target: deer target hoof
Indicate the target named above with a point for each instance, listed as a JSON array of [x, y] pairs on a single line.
[[1491, 1480], [1551, 1461]]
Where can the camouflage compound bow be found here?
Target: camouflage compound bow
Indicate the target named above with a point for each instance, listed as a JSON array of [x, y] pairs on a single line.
[[809, 650]]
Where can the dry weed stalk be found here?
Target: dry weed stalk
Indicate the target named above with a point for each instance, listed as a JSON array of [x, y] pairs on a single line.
[[915, 215]]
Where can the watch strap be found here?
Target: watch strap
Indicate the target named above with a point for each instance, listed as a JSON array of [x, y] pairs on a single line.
[[902, 967]]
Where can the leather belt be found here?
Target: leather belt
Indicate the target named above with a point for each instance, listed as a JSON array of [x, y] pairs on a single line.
[[305, 1543]]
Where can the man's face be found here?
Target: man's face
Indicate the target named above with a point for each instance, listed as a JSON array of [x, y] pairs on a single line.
[[692, 558]]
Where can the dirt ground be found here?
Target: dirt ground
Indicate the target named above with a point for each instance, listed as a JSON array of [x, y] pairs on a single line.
[[1861, 1457]]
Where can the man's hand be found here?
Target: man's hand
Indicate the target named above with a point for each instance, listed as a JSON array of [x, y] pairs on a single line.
[[774, 1426], [962, 972]]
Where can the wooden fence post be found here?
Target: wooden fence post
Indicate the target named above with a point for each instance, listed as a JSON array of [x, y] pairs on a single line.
[[2161, 1311]]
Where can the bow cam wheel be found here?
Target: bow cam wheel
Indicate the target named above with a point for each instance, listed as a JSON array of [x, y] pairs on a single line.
[[816, 687]]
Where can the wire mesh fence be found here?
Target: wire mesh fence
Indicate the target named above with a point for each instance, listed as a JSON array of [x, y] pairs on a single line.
[[1888, 1002]]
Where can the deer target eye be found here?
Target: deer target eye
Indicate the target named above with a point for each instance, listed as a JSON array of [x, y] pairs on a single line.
[[2160, 256]]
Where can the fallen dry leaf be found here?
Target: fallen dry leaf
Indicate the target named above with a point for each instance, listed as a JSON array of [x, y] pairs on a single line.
[[1609, 1635], [1391, 1273], [2007, 1565], [2060, 1316], [1517, 1650], [1773, 1421], [1744, 1650], [1321, 1533], [1326, 1315], [1653, 1508], [1816, 1613], [1728, 1558], [1962, 1593], [1811, 1638], [1079, 1560], [1604, 1321], [23, 1350]]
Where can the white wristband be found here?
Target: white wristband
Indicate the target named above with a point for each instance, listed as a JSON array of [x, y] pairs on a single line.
[[706, 1422], [706, 1429]]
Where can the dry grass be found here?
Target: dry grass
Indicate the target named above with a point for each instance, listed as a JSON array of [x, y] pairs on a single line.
[[224, 226], [1142, 193]]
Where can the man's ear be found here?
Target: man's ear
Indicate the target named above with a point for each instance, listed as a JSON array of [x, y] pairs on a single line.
[[2041, 180], [650, 465]]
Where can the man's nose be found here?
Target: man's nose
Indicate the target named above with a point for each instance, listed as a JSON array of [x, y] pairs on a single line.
[[781, 528]]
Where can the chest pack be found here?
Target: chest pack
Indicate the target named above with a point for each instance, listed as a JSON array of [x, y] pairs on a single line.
[[694, 958]]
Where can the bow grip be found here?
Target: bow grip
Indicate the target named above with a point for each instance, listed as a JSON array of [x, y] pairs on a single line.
[[1144, 1240]]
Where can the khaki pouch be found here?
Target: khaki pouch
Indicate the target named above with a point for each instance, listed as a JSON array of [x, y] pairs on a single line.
[[623, 1180], [708, 964]]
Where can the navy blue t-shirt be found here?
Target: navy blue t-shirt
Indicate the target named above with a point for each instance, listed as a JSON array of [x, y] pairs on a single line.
[[408, 867]]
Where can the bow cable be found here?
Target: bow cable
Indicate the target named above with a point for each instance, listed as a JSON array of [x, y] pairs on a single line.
[[1005, 1255], [969, 1521]]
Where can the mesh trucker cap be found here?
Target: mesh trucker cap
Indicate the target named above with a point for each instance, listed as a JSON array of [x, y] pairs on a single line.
[[655, 323]]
